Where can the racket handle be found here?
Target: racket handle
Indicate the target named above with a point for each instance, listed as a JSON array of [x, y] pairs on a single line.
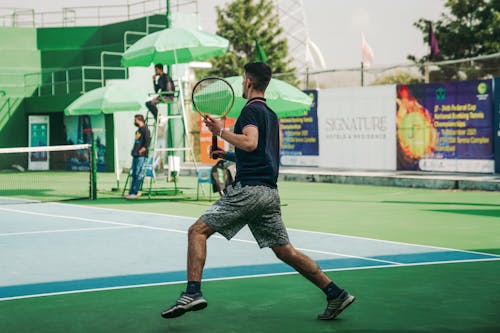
[[214, 146]]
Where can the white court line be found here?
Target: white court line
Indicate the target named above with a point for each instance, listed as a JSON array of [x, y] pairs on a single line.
[[61, 230], [395, 242], [292, 229], [183, 232], [246, 277], [21, 200]]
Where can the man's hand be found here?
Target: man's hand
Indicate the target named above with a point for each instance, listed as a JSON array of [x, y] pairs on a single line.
[[214, 125], [142, 150], [219, 153], [154, 77]]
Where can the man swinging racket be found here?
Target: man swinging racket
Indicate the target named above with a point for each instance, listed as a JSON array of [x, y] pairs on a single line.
[[253, 199]]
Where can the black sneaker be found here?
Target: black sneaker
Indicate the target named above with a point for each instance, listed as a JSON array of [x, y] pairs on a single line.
[[185, 303], [336, 306]]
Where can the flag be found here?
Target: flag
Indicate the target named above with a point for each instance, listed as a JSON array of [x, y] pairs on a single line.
[[260, 55], [433, 42], [366, 52]]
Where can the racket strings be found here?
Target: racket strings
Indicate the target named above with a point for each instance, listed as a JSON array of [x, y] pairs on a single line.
[[213, 96]]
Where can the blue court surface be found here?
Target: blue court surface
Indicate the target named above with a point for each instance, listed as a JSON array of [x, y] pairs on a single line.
[[53, 248]]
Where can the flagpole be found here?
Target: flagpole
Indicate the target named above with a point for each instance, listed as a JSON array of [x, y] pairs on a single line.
[[362, 74], [427, 76]]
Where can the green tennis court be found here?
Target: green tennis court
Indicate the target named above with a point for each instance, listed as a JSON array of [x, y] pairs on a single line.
[[417, 260]]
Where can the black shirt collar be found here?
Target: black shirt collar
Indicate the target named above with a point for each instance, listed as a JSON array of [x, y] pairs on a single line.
[[261, 99]]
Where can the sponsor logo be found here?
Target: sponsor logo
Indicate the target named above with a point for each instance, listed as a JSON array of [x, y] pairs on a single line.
[[482, 89], [348, 128], [440, 94]]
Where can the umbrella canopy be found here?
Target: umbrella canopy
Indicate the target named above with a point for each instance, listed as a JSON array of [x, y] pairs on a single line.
[[285, 99], [109, 99], [174, 46]]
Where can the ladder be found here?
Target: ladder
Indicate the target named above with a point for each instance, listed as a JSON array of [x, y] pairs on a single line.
[[155, 152]]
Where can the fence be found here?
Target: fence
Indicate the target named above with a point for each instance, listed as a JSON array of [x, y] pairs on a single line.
[[70, 80], [452, 70], [90, 15]]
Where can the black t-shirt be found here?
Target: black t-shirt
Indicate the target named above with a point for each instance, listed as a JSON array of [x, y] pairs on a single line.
[[142, 139], [162, 81], [261, 166]]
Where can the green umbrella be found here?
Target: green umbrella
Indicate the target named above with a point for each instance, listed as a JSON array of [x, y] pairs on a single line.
[[285, 99], [109, 99], [174, 46]]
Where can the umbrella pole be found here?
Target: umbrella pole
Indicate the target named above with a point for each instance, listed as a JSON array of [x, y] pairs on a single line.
[[117, 168], [167, 7]]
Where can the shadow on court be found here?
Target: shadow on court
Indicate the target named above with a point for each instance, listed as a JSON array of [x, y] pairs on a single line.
[[475, 212]]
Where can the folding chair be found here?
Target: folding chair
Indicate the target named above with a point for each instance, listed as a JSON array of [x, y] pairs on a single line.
[[204, 177]]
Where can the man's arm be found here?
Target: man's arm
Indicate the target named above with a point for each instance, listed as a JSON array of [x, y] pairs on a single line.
[[147, 141], [147, 138], [246, 141], [225, 155], [230, 156], [155, 85]]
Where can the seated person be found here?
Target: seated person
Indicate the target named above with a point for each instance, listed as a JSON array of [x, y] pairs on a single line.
[[162, 83]]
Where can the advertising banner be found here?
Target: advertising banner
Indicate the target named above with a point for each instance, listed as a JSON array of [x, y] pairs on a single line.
[[299, 137], [206, 141], [38, 136], [357, 128], [445, 127]]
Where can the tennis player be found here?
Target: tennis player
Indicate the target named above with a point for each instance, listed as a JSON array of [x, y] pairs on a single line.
[[252, 200]]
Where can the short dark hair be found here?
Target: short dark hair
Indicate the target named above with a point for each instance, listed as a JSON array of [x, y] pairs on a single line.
[[140, 117], [159, 66], [260, 74]]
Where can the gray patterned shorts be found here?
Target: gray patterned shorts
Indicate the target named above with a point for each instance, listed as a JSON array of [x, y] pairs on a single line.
[[257, 206]]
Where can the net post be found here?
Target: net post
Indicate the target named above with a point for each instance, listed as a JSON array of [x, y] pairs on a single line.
[[93, 171]]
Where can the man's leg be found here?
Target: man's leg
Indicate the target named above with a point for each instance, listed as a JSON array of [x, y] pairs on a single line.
[[226, 216], [197, 249], [151, 105], [192, 299], [338, 299], [135, 185], [133, 189], [302, 264]]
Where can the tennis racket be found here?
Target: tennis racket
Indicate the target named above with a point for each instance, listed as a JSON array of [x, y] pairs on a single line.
[[213, 96]]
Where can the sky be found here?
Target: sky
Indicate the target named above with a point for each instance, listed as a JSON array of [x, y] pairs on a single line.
[[334, 25]]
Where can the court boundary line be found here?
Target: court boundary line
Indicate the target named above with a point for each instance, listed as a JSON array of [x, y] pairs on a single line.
[[185, 232], [61, 231], [293, 229], [245, 277]]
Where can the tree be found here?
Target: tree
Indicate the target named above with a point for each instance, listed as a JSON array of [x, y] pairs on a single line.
[[398, 77], [243, 22], [468, 28]]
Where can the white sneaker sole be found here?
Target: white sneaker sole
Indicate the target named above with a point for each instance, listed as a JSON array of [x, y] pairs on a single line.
[[182, 309]]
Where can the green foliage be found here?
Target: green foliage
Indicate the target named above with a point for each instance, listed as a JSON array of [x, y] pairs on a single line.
[[398, 77], [468, 28], [242, 22]]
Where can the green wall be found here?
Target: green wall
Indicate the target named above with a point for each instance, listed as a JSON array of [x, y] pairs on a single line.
[[29, 50], [18, 55]]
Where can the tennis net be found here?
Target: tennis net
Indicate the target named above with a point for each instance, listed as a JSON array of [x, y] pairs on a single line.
[[49, 173]]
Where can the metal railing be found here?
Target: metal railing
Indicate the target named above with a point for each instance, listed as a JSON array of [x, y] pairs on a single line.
[[90, 15], [76, 80], [6, 107], [480, 67], [126, 35]]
